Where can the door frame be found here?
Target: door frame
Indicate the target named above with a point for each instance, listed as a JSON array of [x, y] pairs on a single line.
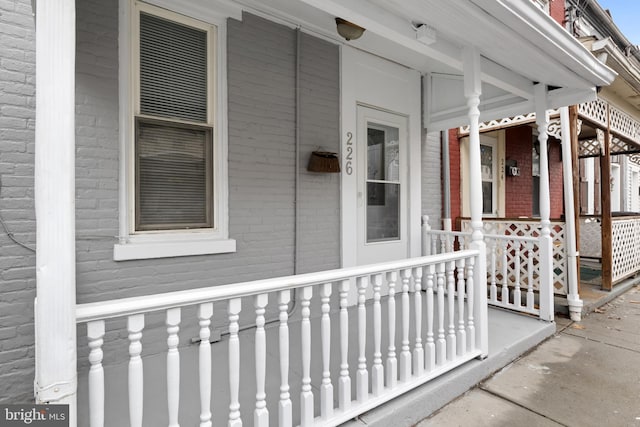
[[371, 81]]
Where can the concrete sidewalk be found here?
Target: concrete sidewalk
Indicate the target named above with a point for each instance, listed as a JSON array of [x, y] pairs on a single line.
[[588, 374]]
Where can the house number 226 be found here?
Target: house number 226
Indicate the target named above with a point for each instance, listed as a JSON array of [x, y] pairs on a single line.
[[349, 157]]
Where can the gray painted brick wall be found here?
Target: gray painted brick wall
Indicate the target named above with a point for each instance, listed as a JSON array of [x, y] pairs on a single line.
[[432, 179], [261, 64], [17, 264]]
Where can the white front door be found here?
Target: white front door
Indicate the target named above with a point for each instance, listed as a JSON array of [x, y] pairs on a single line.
[[380, 160], [381, 170]]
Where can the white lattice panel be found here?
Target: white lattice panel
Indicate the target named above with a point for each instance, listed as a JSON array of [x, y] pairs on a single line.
[[623, 124], [532, 229], [590, 238], [595, 111], [625, 235]]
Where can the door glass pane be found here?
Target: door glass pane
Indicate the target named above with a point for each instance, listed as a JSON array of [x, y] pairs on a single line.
[[487, 197], [486, 163], [382, 153], [383, 208], [383, 183]]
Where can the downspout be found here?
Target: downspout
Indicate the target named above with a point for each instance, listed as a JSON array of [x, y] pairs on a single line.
[[296, 214], [573, 298], [446, 181]]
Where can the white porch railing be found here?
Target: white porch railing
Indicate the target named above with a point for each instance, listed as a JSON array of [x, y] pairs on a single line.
[[439, 329], [513, 266], [531, 228]]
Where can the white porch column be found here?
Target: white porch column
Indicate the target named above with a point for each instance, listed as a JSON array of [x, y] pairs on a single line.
[[573, 298], [472, 91], [546, 248], [55, 324]]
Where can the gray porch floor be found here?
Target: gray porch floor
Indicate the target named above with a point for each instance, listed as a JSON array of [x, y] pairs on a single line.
[[510, 335]]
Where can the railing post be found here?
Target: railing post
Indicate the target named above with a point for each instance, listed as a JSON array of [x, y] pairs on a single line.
[[546, 249]]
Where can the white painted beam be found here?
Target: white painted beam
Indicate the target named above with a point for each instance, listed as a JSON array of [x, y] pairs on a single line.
[[55, 380]]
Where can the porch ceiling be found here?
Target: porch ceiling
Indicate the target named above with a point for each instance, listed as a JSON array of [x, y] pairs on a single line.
[[520, 45]]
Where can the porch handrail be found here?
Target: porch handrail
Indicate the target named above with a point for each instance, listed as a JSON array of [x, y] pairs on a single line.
[[100, 310], [438, 330], [503, 237]]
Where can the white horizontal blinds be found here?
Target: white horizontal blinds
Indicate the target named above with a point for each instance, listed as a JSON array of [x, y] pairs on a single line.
[[173, 165], [173, 69], [173, 152]]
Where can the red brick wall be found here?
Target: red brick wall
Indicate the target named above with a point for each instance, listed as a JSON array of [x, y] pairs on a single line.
[[454, 161], [556, 10], [555, 179], [518, 189]]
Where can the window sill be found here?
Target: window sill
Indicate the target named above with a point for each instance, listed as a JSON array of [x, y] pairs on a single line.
[[163, 247]]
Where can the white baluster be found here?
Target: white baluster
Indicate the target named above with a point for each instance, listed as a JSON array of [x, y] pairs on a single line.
[[434, 245], [95, 334], [306, 395], [285, 416], [493, 294], [530, 296], [135, 324], [441, 349], [173, 366], [205, 311], [443, 244], [392, 361], [261, 413], [461, 342], [418, 351], [362, 376], [471, 327], [430, 354], [233, 310], [451, 301], [505, 274], [405, 353], [517, 294], [450, 240], [344, 384], [377, 370], [326, 389]]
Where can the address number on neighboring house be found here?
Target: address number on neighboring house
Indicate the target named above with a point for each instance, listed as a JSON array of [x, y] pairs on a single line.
[[349, 156]]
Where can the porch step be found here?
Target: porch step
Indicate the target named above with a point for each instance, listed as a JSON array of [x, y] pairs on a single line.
[[510, 336]]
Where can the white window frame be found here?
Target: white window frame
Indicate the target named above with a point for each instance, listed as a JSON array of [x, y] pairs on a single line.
[[134, 244]]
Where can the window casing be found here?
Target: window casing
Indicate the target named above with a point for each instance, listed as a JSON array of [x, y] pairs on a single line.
[[173, 172]]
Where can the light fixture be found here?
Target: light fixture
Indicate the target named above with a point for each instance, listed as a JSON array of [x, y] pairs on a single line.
[[348, 30]]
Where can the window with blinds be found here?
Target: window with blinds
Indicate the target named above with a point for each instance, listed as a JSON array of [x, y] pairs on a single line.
[[173, 136]]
